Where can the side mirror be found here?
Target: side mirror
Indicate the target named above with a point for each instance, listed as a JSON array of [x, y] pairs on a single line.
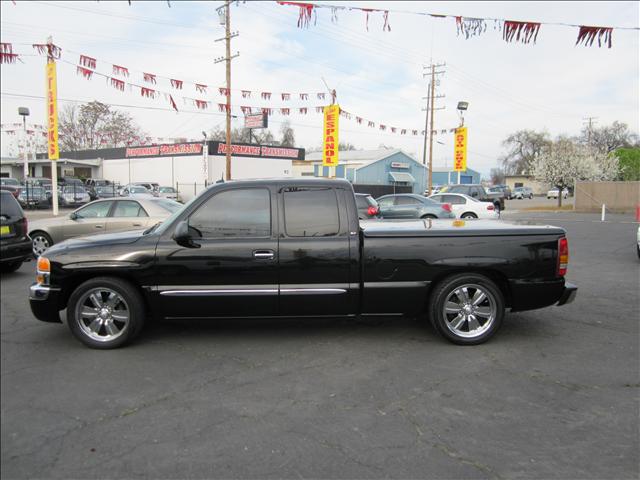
[[182, 237], [73, 216]]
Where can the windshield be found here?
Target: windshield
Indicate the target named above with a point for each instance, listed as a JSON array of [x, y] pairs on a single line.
[[166, 190], [104, 189], [138, 190], [32, 191]]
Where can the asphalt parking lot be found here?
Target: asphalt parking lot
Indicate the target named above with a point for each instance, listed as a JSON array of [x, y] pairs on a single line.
[[554, 395]]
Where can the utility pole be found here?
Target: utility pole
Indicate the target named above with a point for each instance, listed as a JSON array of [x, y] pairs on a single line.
[[590, 120], [227, 58], [431, 107]]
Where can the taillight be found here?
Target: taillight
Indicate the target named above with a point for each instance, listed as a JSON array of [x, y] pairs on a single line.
[[446, 207], [563, 256], [372, 211], [25, 225], [491, 207]]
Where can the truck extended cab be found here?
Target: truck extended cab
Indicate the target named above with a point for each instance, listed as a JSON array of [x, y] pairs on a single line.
[[295, 248]]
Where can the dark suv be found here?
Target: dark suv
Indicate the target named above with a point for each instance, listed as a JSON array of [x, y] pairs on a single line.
[[15, 244]]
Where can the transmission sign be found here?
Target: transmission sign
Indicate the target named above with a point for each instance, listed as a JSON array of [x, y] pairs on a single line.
[[330, 136], [460, 150], [52, 112]]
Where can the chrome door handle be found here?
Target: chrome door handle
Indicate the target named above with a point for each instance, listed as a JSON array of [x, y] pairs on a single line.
[[137, 224], [98, 226], [264, 254]]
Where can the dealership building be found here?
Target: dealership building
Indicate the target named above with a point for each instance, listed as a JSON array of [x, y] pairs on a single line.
[[190, 165]]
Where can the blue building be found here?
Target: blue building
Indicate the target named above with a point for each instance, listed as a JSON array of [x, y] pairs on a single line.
[[446, 176], [374, 167]]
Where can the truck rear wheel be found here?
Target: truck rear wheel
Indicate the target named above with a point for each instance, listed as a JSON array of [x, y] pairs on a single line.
[[105, 312], [466, 309]]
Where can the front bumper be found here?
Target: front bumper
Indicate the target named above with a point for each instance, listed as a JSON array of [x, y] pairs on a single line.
[[44, 301], [10, 252], [568, 295]]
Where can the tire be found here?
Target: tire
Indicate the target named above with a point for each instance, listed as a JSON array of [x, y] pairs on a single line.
[[10, 267], [99, 298], [531, 197], [468, 215], [497, 207], [487, 314], [429, 216], [40, 242]]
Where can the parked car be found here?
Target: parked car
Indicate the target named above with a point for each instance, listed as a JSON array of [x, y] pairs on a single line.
[[295, 248], [132, 190], [151, 186], [409, 205], [522, 192], [478, 192], [168, 192], [100, 216], [10, 181], [502, 188], [38, 181], [11, 185], [92, 184], [72, 195], [466, 207], [106, 191], [15, 244], [367, 206], [553, 193], [64, 181], [33, 197]]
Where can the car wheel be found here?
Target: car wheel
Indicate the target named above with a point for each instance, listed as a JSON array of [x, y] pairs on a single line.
[[10, 267], [468, 215], [40, 243], [531, 196], [429, 216], [466, 309], [105, 312], [496, 206]]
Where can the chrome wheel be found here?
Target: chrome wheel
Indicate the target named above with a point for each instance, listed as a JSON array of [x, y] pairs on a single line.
[[469, 310], [102, 314], [40, 243]]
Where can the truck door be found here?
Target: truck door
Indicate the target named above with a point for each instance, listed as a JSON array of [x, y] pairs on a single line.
[[314, 253], [231, 269]]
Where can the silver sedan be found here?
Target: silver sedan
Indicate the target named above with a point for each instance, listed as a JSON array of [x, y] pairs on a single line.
[[101, 216]]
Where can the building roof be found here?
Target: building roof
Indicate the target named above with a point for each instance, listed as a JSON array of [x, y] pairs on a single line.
[[357, 156]]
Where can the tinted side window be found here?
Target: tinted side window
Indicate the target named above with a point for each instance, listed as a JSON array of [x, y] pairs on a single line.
[[311, 212], [235, 213], [129, 208], [385, 202], [9, 206], [407, 201], [454, 200]]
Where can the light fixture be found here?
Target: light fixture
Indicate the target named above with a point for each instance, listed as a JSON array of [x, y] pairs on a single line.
[[463, 106]]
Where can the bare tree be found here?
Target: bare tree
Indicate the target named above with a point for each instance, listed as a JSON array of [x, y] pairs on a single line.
[[524, 147], [288, 135], [608, 138], [565, 161], [94, 125], [497, 176]]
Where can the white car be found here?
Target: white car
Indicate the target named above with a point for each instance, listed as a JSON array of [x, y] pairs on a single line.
[[467, 207], [168, 192], [553, 193], [133, 190]]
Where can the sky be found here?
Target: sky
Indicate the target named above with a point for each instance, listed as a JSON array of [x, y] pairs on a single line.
[[551, 85]]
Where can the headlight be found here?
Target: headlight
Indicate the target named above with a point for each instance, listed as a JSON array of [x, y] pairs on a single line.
[[43, 271]]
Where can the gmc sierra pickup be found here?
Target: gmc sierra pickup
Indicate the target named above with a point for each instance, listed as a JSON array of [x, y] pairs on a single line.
[[295, 248]]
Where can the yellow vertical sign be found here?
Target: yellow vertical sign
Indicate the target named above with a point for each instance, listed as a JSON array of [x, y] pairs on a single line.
[[460, 150], [52, 112], [330, 136]]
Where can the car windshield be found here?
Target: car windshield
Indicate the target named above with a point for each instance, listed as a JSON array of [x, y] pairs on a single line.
[[104, 189], [169, 205], [167, 190], [73, 189], [138, 190], [9, 181]]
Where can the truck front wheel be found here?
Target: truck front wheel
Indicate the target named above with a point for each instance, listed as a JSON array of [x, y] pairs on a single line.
[[466, 309]]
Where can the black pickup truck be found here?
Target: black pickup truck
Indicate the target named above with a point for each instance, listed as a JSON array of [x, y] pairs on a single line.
[[295, 248]]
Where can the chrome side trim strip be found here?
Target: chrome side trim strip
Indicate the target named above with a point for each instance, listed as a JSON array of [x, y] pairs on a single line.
[[416, 284], [312, 291], [218, 293]]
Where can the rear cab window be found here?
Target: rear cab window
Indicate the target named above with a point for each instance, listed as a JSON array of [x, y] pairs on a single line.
[[311, 212]]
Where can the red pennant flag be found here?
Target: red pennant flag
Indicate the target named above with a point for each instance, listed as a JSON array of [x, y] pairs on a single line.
[[305, 12], [266, 95], [303, 110], [246, 94], [320, 96], [587, 36], [173, 104], [513, 31], [403, 131], [221, 106], [6, 47], [149, 77], [371, 124], [118, 84], [393, 129], [8, 57], [383, 127], [88, 62], [245, 110], [358, 119], [200, 88], [147, 92], [266, 111], [304, 96], [319, 109], [118, 70], [284, 111], [223, 91], [85, 72], [286, 96], [202, 104], [177, 84]]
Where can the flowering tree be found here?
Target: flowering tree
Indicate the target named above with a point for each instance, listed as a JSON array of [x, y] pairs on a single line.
[[564, 162]]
